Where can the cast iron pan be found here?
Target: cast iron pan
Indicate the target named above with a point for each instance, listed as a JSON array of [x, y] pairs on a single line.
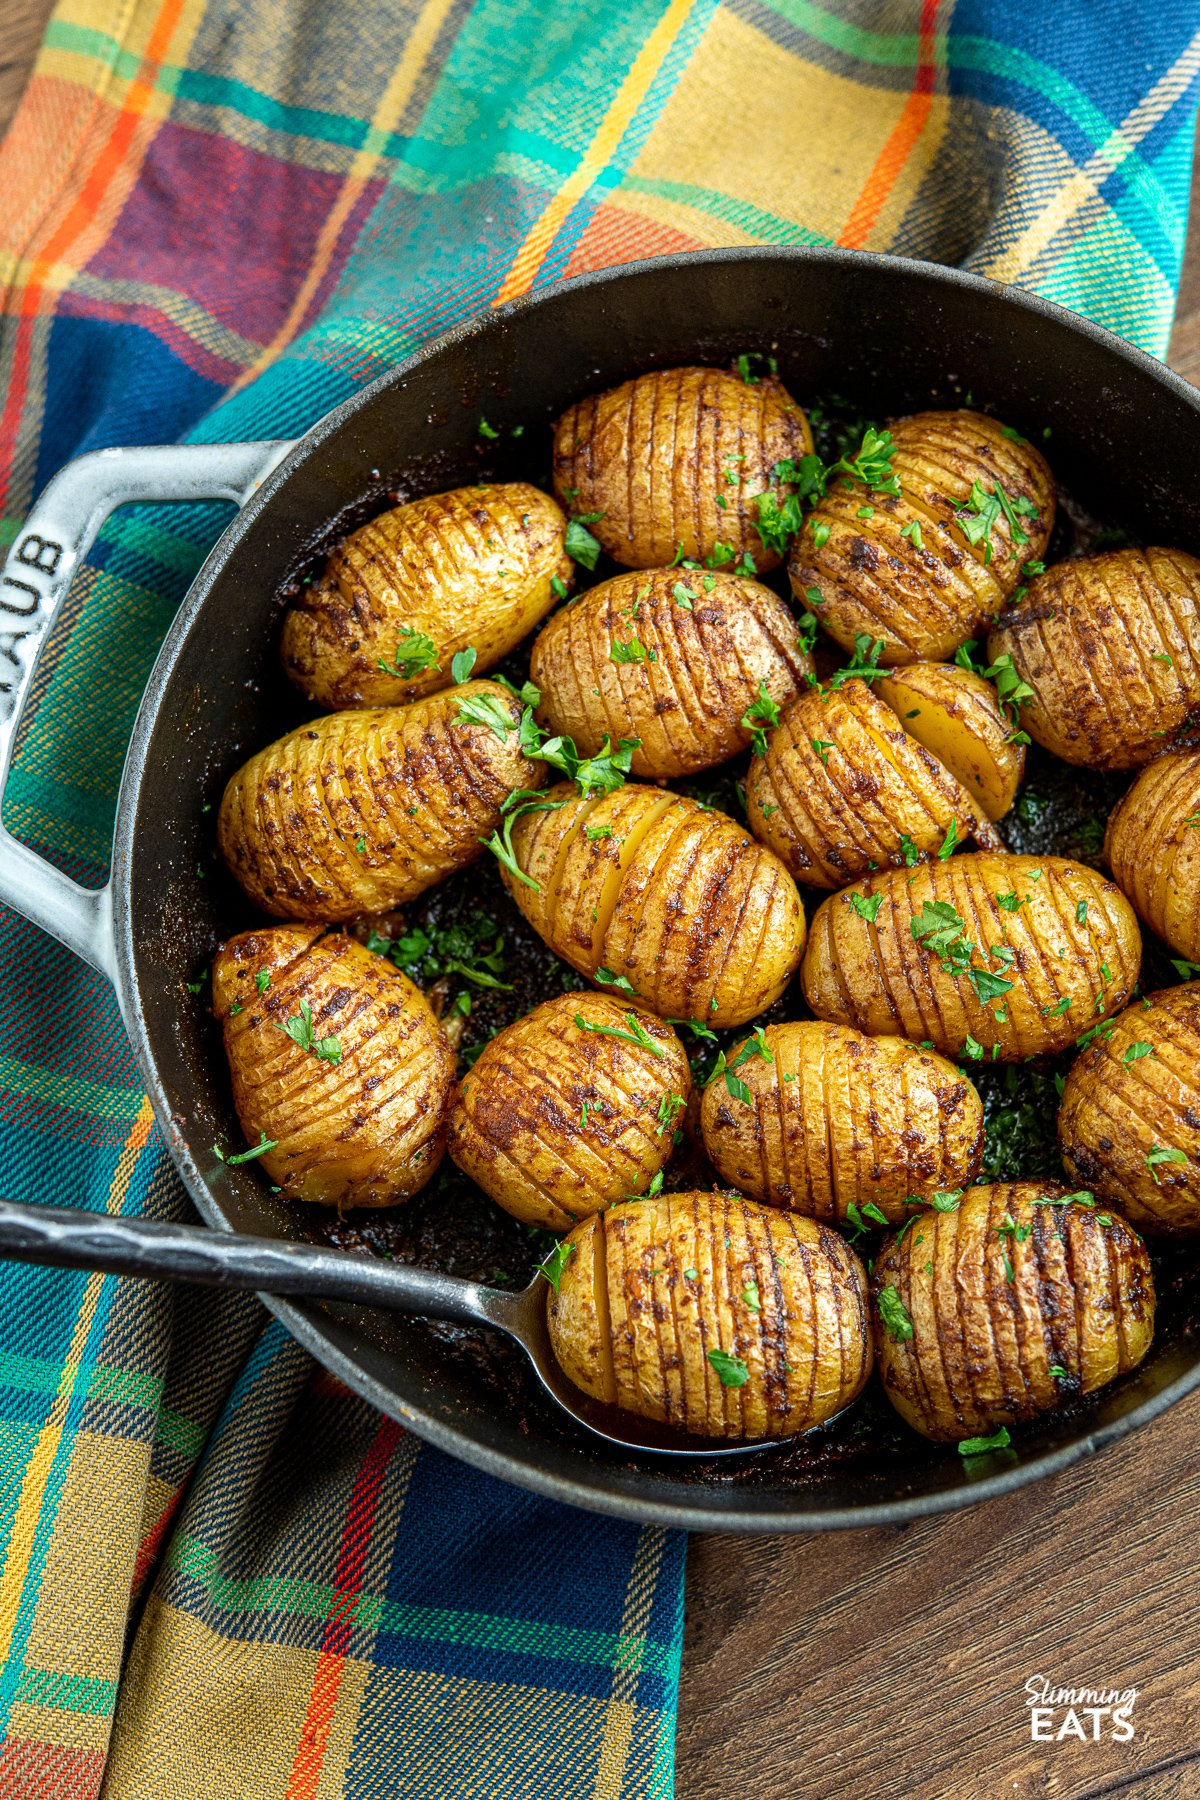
[[863, 335]]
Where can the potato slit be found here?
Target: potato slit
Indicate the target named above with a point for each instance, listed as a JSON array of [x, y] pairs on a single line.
[[603, 1316], [615, 876]]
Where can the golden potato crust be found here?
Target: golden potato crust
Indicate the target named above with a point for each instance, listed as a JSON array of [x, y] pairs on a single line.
[[986, 1349], [704, 646], [360, 812], [842, 786], [924, 598], [363, 1124], [674, 461], [653, 1289], [1152, 845], [559, 1119], [838, 1119], [957, 716], [703, 922], [469, 567], [1110, 646], [975, 970], [1133, 1097]]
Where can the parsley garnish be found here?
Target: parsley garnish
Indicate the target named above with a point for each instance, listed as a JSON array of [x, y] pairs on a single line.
[[622, 983], [760, 712], [300, 1030], [487, 709], [731, 1370], [976, 1446], [414, 653], [637, 1033], [1010, 689], [514, 806], [556, 1262], [894, 1314], [938, 928], [580, 545], [866, 906], [1157, 1155], [631, 650], [462, 664], [244, 1156]]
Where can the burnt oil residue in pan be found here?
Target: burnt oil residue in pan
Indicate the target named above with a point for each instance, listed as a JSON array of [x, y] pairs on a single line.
[[468, 945]]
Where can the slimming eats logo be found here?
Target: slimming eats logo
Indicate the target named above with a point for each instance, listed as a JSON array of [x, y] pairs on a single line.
[[1089, 1714]]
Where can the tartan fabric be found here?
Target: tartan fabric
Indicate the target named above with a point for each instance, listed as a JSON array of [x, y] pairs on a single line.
[[222, 1573]]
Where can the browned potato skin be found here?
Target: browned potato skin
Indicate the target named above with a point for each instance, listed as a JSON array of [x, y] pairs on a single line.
[[517, 1128], [630, 1326], [1154, 853], [702, 921], [957, 716], [367, 1131], [923, 603], [1081, 1299], [654, 455], [472, 566], [839, 1119], [1114, 1113], [880, 979], [418, 785], [1110, 646], [842, 782], [703, 668]]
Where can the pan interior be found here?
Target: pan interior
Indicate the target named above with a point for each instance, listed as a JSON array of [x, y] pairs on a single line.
[[867, 336]]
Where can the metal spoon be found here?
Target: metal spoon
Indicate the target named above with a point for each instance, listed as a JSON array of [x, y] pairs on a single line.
[[65, 1238]]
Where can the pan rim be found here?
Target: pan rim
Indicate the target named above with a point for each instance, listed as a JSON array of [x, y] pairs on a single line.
[[306, 1325]]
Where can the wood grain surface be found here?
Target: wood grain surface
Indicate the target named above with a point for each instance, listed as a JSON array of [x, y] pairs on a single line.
[[892, 1663]]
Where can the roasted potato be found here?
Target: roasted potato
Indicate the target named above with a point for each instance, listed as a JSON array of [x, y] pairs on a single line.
[[713, 1315], [842, 789], [570, 1109], [660, 897], [403, 593], [1152, 845], [1002, 957], [835, 1119], [957, 716], [927, 568], [671, 657], [1129, 1122], [674, 461], [995, 1311], [362, 811], [1110, 646], [338, 1065]]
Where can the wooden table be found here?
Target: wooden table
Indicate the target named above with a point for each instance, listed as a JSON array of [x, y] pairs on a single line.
[[893, 1663]]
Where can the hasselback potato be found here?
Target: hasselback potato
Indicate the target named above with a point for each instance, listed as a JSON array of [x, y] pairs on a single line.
[[1153, 848], [957, 715], [835, 1119], [404, 592], [842, 789], [361, 811], [571, 1108], [662, 893], [1110, 646], [926, 568], [337, 1063], [965, 954], [713, 1315], [1129, 1122], [673, 657], [673, 462], [999, 1309]]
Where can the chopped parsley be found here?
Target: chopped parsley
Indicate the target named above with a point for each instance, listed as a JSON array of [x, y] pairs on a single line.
[[414, 654], [263, 1145], [462, 663], [487, 709], [894, 1314], [556, 1262], [637, 1033], [866, 906], [760, 712], [631, 650], [976, 1446], [731, 1371], [580, 545], [300, 1030]]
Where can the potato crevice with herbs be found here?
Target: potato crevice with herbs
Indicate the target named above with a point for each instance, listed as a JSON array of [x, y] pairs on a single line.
[[571, 1108], [655, 890], [841, 788], [676, 658], [1002, 957], [337, 1062], [712, 1315], [1109, 646], [926, 567], [958, 717], [671, 464], [360, 812], [836, 1121], [1016, 1297], [1129, 1122], [405, 592]]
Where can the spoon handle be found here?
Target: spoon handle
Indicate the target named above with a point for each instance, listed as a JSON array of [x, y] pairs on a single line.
[[66, 1238]]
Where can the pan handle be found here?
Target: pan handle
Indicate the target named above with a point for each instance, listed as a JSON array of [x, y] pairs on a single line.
[[35, 582]]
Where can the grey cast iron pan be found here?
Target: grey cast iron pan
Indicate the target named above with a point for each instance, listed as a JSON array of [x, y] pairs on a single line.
[[886, 336]]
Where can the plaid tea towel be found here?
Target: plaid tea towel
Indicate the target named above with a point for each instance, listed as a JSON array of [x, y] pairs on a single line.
[[222, 1574]]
